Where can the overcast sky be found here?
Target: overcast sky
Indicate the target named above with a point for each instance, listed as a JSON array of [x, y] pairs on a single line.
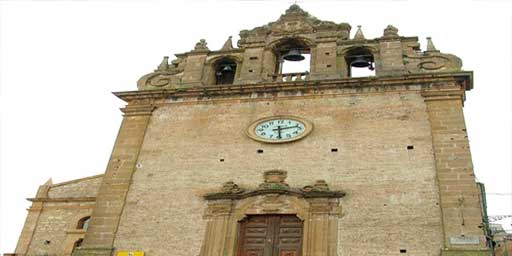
[[59, 61]]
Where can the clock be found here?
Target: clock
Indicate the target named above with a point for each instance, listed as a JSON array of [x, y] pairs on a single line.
[[279, 129]]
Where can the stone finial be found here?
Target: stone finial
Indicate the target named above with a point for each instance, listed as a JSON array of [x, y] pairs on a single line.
[[228, 45], [320, 185], [164, 65], [231, 187], [295, 9], [430, 45], [390, 31], [359, 34], [201, 46]]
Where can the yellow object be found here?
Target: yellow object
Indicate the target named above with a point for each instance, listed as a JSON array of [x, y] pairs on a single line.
[[134, 253]]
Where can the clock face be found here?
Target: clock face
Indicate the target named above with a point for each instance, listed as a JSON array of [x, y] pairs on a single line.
[[279, 129]]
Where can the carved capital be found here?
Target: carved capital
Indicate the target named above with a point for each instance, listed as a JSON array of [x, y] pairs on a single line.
[[329, 206], [219, 208]]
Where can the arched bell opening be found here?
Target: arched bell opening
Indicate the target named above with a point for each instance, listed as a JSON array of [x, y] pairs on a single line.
[[225, 71], [360, 62], [293, 59]]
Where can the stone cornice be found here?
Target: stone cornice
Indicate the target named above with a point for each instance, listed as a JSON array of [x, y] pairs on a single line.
[[209, 53], [75, 181], [443, 94], [63, 199], [138, 110], [274, 183], [463, 78], [279, 191]]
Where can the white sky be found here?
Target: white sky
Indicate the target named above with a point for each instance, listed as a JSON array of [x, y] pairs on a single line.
[[59, 61]]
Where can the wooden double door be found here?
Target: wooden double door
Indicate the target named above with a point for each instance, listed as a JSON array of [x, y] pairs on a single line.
[[270, 235]]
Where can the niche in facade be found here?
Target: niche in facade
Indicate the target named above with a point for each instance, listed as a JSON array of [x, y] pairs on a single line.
[[360, 62], [225, 71], [292, 56]]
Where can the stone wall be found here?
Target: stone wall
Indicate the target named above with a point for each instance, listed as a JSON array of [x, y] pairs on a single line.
[[86, 187], [384, 161], [51, 225], [56, 223]]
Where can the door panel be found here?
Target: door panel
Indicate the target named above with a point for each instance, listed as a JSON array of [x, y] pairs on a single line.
[[288, 236], [270, 235]]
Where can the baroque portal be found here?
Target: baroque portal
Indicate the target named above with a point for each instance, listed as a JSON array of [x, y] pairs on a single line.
[[272, 219]]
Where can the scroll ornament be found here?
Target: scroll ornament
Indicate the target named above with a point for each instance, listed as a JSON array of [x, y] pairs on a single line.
[[164, 77]]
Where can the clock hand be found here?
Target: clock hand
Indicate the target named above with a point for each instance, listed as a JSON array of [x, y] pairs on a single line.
[[297, 126]]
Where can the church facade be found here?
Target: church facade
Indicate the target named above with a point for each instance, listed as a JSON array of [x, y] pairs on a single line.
[[221, 152]]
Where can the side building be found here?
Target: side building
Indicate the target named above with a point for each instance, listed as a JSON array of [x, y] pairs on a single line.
[[59, 217]]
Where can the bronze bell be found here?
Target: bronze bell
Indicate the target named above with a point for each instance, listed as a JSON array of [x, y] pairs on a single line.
[[227, 68], [360, 62], [293, 55]]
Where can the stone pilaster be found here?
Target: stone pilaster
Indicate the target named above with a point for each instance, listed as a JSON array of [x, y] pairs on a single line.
[[322, 227], [110, 201], [29, 228], [459, 194], [32, 219], [391, 53]]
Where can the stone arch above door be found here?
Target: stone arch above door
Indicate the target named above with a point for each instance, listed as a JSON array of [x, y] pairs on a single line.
[[316, 205]]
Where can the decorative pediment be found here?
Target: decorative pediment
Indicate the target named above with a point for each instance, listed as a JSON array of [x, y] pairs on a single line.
[[274, 183], [294, 21]]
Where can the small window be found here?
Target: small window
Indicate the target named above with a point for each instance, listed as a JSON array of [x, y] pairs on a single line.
[[78, 244], [83, 223]]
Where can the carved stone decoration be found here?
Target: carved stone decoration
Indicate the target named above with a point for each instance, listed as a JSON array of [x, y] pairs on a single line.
[[295, 21], [430, 45], [359, 34], [201, 46], [316, 205], [319, 186], [274, 179], [228, 45], [165, 76], [158, 80], [390, 31], [164, 65], [231, 187], [432, 61]]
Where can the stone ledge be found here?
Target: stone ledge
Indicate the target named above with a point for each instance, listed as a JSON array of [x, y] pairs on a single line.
[[465, 78], [63, 199], [463, 252], [93, 252]]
